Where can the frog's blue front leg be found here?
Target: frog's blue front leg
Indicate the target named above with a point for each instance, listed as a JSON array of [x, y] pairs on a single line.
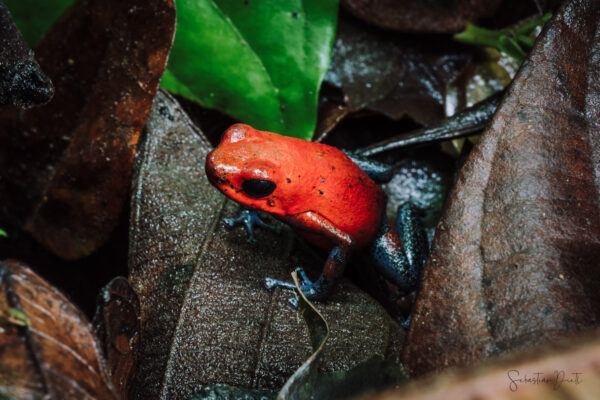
[[400, 252], [249, 219]]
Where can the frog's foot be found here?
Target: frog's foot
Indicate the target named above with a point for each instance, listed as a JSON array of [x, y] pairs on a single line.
[[406, 322], [318, 290], [271, 283], [249, 219]]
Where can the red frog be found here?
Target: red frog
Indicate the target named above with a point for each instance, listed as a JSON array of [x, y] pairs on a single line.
[[325, 196]]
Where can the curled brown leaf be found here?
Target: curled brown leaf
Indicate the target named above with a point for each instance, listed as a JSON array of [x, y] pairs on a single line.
[[515, 258], [117, 324], [421, 15], [56, 356], [569, 369], [65, 167]]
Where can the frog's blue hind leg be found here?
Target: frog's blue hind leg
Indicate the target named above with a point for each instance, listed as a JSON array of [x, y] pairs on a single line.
[[400, 251], [249, 219], [413, 236], [322, 287]]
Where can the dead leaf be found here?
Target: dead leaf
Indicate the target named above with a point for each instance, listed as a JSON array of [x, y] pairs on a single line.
[[65, 167], [117, 324], [57, 356], [310, 383], [420, 15], [515, 257], [22, 82], [393, 74], [569, 369], [206, 316]]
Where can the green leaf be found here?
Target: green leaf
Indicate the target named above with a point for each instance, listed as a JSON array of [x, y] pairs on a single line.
[[261, 61], [514, 43], [477, 36], [34, 17], [3, 233], [14, 317], [526, 41], [511, 47], [528, 27]]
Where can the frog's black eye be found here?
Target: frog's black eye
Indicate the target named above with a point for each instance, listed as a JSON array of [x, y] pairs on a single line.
[[258, 188]]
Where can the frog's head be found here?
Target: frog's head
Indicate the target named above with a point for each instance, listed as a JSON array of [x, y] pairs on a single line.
[[245, 166]]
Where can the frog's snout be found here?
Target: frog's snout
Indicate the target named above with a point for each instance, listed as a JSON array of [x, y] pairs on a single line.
[[209, 167], [216, 173]]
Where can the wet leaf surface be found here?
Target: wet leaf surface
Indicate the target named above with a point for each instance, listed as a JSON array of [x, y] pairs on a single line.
[[569, 369], [515, 257], [56, 356], [65, 167], [309, 383], [22, 82], [420, 15], [206, 315], [393, 74], [117, 324], [261, 62], [300, 384]]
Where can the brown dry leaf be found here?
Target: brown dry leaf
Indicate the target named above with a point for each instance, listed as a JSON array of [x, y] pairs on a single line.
[[117, 324], [22, 82], [420, 15], [515, 257], [566, 370], [206, 316], [57, 356], [392, 74], [65, 167]]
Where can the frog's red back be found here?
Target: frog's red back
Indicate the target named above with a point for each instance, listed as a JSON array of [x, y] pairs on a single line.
[[308, 177]]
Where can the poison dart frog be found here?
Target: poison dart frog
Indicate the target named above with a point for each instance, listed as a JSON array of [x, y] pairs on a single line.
[[329, 197]]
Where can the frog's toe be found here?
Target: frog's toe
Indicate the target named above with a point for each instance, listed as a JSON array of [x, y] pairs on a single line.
[[263, 224], [311, 291], [271, 283], [249, 219], [293, 301], [406, 322], [303, 276], [230, 222]]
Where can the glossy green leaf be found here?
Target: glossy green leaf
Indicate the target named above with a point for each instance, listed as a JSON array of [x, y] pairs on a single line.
[[34, 17], [512, 42], [262, 61]]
